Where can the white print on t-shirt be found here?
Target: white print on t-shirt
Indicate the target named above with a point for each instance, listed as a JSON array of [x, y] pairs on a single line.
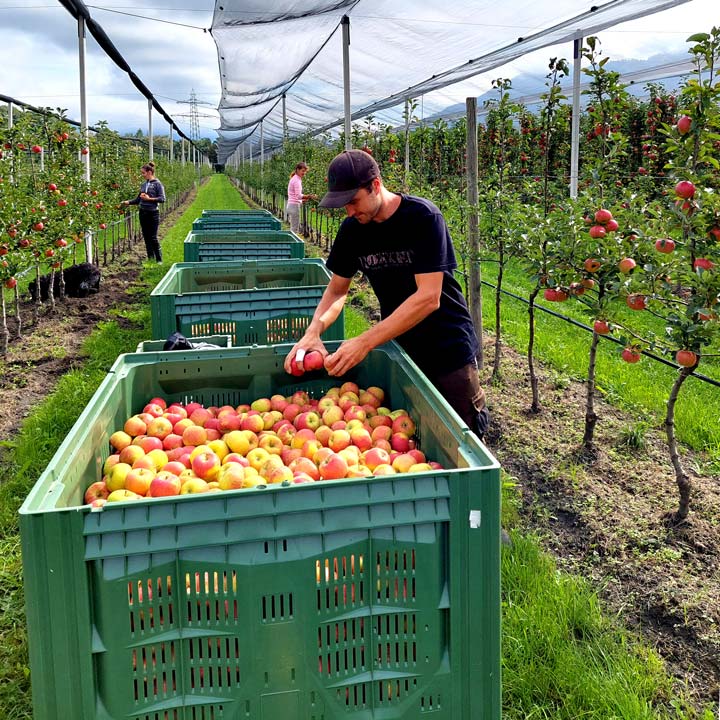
[[386, 259]]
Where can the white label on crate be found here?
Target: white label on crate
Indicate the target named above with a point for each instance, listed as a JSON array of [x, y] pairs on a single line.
[[475, 516]]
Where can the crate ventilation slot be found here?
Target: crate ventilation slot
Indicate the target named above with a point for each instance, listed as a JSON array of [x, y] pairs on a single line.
[[150, 605], [341, 648], [277, 608], [212, 327], [214, 663], [211, 597], [395, 572], [340, 582], [154, 672]]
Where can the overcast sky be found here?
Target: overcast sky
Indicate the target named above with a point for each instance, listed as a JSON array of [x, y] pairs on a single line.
[[39, 58]]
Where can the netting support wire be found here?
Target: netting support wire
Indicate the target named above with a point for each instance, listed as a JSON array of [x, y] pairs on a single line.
[[577, 323], [346, 80], [575, 131]]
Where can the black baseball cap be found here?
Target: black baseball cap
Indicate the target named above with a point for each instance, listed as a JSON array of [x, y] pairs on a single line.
[[348, 172]]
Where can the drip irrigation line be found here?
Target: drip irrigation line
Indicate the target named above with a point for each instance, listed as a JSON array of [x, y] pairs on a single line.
[[577, 323]]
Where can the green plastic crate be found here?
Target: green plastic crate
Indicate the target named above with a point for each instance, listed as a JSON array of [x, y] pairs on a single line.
[[251, 222], [242, 245], [224, 341], [235, 213], [374, 598], [256, 301]]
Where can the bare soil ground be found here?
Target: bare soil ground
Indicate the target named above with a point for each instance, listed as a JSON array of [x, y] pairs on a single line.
[[608, 520], [605, 521]]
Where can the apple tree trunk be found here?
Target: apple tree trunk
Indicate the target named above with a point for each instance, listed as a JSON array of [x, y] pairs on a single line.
[[535, 406], [682, 479], [4, 330], [588, 442], [18, 317]]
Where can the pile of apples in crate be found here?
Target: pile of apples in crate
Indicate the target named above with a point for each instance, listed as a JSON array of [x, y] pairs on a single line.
[[180, 449]]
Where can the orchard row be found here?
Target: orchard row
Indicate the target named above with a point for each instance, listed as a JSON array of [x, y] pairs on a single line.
[[46, 205]]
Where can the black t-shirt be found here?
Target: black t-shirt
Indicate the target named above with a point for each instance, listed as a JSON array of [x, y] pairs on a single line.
[[414, 240]]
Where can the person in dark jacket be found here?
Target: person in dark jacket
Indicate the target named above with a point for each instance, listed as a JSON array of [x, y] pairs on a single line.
[[151, 194]]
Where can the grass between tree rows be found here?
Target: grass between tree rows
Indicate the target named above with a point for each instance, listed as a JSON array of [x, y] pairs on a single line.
[[562, 658]]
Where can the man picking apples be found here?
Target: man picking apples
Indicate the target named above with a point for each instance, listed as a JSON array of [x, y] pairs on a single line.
[[402, 245]]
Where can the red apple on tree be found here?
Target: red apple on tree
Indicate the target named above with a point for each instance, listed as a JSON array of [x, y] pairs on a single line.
[[684, 124], [626, 265], [686, 358], [601, 327], [703, 264], [591, 265], [603, 216], [631, 355], [685, 189], [664, 245], [636, 301]]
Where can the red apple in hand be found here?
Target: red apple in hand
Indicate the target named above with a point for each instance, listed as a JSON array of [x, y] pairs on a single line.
[[294, 369], [313, 361]]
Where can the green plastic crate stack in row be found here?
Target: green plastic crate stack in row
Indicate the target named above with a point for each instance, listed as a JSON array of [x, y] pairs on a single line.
[[256, 301], [234, 222], [242, 245]]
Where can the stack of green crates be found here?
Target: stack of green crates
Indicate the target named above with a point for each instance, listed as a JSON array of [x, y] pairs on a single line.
[[235, 213], [371, 598], [237, 222], [216, 245], [254, 301]]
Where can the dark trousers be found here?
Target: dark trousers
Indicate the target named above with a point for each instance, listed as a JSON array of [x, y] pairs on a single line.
[[149, 224], [461, 388]]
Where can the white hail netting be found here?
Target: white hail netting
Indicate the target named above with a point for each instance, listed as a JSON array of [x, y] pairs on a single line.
[[398, 50]]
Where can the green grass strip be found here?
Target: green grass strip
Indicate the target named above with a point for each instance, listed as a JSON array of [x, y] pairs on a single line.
[[562, 658]]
